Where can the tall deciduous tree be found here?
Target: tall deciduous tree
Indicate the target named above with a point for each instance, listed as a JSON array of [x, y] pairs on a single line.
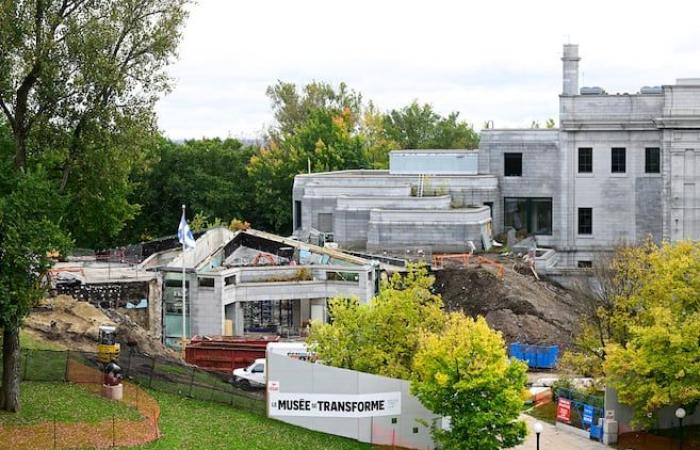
[[463, 373], [73, 70], [29, 233], [316, 127], [418, 126], [658, 364], [609, 306], [382, 336], [209, 175]]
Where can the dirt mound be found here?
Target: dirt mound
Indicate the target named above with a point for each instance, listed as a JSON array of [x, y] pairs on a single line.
[[522, 308], [74, 324]]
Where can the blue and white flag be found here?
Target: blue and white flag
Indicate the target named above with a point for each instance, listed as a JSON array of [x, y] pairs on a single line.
[[184, 234]]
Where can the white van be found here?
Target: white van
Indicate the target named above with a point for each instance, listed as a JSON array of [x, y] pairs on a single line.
[[254, 376], [251, 376]]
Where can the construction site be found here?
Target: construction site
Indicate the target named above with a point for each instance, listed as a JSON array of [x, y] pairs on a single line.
[[253, 286]]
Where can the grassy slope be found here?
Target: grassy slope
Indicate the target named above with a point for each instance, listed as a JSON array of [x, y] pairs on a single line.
[[66, 402], [546, 413], [193, 424]]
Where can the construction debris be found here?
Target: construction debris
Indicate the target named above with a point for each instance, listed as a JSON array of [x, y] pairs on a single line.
[[521, 307], [74, 324]]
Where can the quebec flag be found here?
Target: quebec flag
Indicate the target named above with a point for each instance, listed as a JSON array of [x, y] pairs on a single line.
[[184, 234]]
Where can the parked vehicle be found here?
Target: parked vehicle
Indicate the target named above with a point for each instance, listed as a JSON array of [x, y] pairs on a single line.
[[255, 375], [252, 376], [226, 353]]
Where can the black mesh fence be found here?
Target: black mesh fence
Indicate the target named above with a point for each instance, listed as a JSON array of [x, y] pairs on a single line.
[[147, 371], [180, 379]]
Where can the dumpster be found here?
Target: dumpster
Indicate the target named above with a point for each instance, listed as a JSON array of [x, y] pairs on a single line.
[[225, 353], [536, 356]]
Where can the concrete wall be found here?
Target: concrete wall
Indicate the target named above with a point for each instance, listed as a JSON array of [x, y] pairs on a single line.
[[666, 417], [540, 165], [212, 305], [409, 431], [348, 196], [437, 230]]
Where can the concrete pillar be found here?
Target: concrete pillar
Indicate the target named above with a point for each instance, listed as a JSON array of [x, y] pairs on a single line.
[[304, 311], [238, 323], [296, 314], [155, 307], [318, 310], [570, 61]]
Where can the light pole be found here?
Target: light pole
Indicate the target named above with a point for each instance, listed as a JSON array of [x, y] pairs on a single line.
[[680, 413], [538, 430]]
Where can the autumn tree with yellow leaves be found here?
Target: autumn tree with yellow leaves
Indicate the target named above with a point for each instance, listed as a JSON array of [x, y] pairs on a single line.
[[458, 366], [658, 363]]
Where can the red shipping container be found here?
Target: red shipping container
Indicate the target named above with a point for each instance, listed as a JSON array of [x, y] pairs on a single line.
[[224, 353]]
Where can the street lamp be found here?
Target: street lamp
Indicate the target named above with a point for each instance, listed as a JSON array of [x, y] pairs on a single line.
[[680, 413], [538, 430]]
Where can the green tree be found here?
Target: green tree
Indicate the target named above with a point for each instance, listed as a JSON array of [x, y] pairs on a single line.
[[378, 144], [659, 363], [73, 72], [293, 109], [208, 175], [29, 232], [608, 305], [317, 127], [419, 126], [380, 337], [550, 123], [463, 372]]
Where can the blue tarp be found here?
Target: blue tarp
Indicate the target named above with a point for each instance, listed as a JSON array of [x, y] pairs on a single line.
[[536, 356]]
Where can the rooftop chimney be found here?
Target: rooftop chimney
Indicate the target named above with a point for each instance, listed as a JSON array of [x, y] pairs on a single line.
[[570, 61]]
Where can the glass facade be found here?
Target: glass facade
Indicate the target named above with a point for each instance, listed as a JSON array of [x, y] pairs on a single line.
[[530, 214], [268, 316]]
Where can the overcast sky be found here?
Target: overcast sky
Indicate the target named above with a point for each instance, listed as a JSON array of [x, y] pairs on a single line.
[[487, 59]]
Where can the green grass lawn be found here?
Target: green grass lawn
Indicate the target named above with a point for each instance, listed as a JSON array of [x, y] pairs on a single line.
[[194, 424], [545, 413], [66, 403]]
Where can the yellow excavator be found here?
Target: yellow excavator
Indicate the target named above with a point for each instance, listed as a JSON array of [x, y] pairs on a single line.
[[107, 345]]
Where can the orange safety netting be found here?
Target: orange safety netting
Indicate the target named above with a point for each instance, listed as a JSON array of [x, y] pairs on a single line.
[[104, 434], [464, 259]]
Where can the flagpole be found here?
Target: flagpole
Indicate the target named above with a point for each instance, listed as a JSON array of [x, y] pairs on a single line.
[[184, 293]]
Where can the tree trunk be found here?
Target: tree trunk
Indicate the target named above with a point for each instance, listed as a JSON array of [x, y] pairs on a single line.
[[9, 395], [20, 150]]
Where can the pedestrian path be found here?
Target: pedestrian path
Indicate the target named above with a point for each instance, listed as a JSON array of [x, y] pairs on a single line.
[[555, 439]]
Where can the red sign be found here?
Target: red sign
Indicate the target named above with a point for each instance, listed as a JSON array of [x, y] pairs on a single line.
[[564, 410]]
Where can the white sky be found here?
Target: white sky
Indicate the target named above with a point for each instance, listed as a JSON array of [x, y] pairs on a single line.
[[488, 59]]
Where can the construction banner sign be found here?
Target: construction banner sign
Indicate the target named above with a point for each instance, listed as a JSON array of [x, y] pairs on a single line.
[[334, 405], [564, 410]]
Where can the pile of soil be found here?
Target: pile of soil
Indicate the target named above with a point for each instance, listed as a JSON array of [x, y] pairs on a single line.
[[524, 309], [74, 324]]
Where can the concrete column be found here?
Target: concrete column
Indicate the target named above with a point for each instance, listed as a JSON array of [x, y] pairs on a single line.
[[155, 307], [570, 61], [296, 313], [304, 311], [318, 309], [238, 323]]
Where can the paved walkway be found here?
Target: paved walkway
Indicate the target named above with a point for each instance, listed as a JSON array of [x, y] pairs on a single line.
[[555, 439]]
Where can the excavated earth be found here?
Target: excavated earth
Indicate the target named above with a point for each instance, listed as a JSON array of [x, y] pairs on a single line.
[[523, 308], [74, 324]]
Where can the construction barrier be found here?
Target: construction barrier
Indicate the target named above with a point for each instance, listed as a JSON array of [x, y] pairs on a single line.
[[116, 431], [536, 356], [141, 371]]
